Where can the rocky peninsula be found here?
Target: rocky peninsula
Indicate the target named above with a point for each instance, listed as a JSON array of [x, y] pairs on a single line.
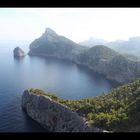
[[99, 58], [52, 115], [116, 111]]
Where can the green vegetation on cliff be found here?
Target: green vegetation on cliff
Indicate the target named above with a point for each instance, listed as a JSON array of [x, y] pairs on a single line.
[[119, 110]]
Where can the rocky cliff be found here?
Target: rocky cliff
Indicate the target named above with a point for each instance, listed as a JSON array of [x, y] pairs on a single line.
[[54, 45], [113, 65], [100, 59], [52, 115], [18, 52]]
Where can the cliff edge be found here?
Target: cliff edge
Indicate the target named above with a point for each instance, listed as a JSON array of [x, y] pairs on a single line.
[[52, 115]]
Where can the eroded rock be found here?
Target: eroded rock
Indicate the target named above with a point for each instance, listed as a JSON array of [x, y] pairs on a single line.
[[53, 115], [18, 52]]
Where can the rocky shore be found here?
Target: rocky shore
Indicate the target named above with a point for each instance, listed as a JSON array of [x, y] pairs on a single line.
[[52, 115]]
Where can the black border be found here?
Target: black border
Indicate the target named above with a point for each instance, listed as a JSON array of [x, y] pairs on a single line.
[[66, 136], [69, 3]]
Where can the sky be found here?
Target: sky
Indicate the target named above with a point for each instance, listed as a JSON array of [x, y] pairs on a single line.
[[77, 24]]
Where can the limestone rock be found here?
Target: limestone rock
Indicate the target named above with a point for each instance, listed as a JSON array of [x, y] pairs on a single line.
[[18, 52], [54, 116]]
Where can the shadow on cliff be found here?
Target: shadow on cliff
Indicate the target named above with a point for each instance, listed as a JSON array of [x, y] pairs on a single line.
[[32, 126]]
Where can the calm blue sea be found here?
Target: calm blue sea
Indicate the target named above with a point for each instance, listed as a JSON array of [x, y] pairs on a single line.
[[64, 78]]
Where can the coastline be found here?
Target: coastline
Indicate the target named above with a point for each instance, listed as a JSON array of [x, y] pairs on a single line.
[[77, 63]]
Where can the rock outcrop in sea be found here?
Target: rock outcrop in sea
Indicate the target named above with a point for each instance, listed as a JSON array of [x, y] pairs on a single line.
[[52, 115], [18, 52]]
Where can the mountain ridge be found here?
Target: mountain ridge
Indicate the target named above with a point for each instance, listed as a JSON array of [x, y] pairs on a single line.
[[125, 47], [99, 58]]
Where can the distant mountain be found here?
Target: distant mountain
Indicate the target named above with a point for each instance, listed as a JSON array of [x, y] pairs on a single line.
[[99, 58], [52, 44], [131, 57], [130, 48], [93, 42], [96, 55]]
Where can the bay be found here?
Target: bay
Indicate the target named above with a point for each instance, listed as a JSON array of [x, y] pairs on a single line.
[[63, 78]]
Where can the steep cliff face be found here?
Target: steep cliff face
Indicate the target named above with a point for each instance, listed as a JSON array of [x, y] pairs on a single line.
[[53, 115], [97, 58], [54, 45], [122, 70], [109, 63], [116, 111]]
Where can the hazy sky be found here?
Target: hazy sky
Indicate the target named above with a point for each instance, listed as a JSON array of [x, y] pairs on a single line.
[[77, 24]]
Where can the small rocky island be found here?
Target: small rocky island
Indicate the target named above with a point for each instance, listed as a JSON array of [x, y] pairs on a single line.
[[52, 115], [18, 52]]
